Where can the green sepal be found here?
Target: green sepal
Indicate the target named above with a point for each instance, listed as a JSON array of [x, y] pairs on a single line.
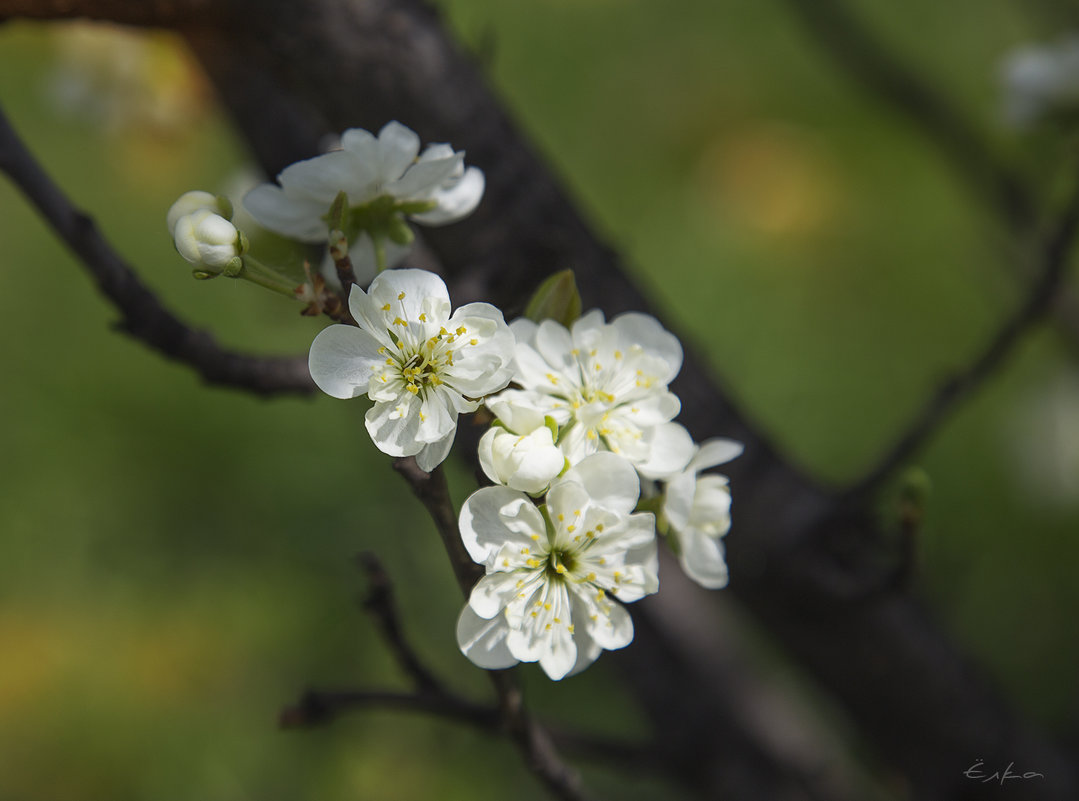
[[553, 426], [399, 231], [555, 299], [224, 207]]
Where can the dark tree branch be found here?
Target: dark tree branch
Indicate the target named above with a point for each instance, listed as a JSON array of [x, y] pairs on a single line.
[[156, 13], [144, 317], [1054, 260], [379, 602]]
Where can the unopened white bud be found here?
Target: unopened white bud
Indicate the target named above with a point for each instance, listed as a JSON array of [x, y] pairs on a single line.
[[525, 462], [189, 203], [206, 238]]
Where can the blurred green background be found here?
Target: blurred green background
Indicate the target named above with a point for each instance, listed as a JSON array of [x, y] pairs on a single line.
[[175, 560]]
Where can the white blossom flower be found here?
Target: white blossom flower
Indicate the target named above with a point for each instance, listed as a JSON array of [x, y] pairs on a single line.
[[520, 451], [1040, 80], [551, 576], [188, 203], [698, 509], [205, 237], [606, 384], [432, 188], [421, 365]]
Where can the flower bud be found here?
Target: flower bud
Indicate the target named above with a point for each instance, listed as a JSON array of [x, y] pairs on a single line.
[[207, 239], [525, 462], [196, 200]]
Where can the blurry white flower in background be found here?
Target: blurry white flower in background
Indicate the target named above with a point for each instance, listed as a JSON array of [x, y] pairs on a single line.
[[118, 78], [1041, 81], [1043, 441]]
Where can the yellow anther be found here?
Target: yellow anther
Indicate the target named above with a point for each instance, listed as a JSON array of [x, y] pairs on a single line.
[[535, 537], [401, 296], [533, 563], [561, 517], [576, 404], [590, 577], [525, 551], [547, 627], [634, 409], [535, 614], [552, 378], [556, 620], [602, 561], [592, 352], [434, 379], [461, 331], [473, 342], [520, 582], [576, 512], [618, 575], [601, 595], [570, 628], [423, 317], [571, 528], [599, 527], [590, 534], [575, 352], [382, 351], [618, 354], [560, 568], [506, 563], [399, 321], [547, 606], [598, 366], [389, 360], [412, 388], [591, 434], [442, 331], [386, 307], [382, 378]]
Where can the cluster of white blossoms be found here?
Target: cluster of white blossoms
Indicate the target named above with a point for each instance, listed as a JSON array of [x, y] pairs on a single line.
[[589, 417], [587, 463]]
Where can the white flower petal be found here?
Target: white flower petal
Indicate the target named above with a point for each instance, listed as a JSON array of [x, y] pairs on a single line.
[[702, 559], [393, 426], [341, 360], [484, 641], [609, 480], [678, 503], [434, 453], [715, 452], [456, 200], [397, 146], [422, 179], [493, 516], [298, 218], [646, 331], [671, 449]]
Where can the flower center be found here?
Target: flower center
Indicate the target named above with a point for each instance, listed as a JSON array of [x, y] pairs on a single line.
[[560, 563]]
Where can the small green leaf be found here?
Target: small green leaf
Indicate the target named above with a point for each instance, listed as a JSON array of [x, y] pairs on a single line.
[[556, 299]]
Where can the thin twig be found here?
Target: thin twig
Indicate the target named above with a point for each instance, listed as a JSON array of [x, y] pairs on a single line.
[[379, 602], [532, 739], [1054, 260], [320, 707], [144, 317]]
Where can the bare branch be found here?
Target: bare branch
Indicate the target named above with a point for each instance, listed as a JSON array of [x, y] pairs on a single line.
[[155, 13], [144, 317], [1054, 259], [379, 602]]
